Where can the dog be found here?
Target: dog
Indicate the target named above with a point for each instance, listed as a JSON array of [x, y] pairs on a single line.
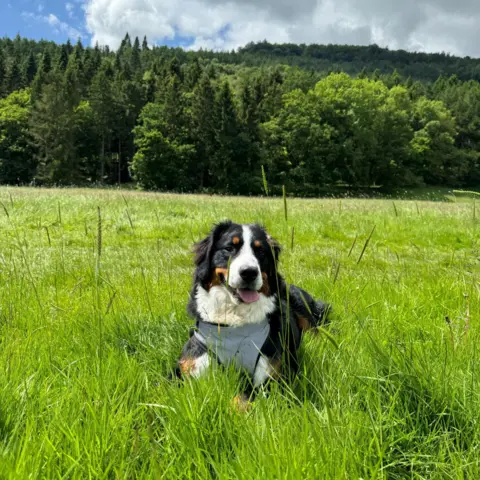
[[244, 312]]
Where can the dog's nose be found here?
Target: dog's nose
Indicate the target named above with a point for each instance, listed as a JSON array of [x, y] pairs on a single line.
[[249, 274]]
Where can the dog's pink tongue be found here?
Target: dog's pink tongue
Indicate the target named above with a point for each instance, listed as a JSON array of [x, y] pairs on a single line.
[[248, 296]]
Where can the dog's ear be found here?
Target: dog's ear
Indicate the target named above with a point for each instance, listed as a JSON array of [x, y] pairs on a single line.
[[203, 252]]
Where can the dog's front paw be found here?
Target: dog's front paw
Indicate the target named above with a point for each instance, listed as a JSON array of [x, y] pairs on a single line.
[[241, 403]]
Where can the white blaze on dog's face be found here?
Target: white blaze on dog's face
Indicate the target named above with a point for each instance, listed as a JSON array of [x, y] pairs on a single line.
[[244, 274], [236, 272]]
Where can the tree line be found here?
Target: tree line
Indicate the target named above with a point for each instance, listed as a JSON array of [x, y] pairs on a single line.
[[202, 121]]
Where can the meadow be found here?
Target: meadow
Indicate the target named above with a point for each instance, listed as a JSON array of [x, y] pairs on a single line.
[[91, 325]]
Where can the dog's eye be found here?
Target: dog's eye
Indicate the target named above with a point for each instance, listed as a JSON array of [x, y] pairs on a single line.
[[229, 249]]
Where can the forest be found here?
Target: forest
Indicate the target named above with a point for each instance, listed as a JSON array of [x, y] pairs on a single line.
[[305, 117]]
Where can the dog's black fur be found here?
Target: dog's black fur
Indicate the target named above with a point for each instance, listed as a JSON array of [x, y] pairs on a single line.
[[295, 310]]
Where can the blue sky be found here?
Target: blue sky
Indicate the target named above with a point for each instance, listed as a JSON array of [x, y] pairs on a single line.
[[50, 19], [421, 25]]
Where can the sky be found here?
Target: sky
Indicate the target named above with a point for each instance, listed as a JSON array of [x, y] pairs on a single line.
[[419, 25]]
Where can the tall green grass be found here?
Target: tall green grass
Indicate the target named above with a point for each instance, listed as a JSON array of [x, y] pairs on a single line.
[[92, 318]]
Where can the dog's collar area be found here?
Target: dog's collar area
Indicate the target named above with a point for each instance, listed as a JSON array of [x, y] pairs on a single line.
[[238, 345]]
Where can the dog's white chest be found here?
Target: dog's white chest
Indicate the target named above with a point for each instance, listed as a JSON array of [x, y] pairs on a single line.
[[218, 306]]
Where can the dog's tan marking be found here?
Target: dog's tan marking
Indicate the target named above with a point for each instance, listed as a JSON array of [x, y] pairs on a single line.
[[187, 365], [257, 243], [216, 280], [236, 240], [265, 287], [302, 322], [276, 368], [241, 403]]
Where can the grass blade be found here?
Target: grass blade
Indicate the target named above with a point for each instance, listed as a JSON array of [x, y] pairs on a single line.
[[353, 245], [265, 184], [395, 209], [366, 245]]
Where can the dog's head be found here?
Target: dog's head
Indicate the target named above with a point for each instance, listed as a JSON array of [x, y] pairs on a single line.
[[242, 258]]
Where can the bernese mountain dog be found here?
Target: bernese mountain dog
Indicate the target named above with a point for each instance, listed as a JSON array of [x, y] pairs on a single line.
[[244, 312]]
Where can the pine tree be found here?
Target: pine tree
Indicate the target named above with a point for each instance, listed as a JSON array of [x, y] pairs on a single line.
[[53, 130], [135, 61], [136, 44], [41, 77], [145, 44], [102, 101], [117, 65], [37, 85], [79, 46], [226, 137], [72, 80], [96, 58], [29, 69], [126, 44], [203, 129], [193, 74], [13, 77], [3, 71], [174, 107], [62, 59], [174, 69], [248, 171], [46, 62], [89, 65]]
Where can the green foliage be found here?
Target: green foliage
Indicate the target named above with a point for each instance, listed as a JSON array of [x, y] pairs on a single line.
[[344, 130], [162, 161], [17, 165], [221, 116]]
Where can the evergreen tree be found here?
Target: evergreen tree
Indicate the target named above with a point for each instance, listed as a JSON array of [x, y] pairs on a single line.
[[135, 61], [174, 69], [248, 171], [41, 77], [204, 130], [79, 47], [29, 70], [53, 130], [46, 62], [102, 101], [3, 71], [13, 77], [194, 72], [126, 44], [62, 59], [227, 140]]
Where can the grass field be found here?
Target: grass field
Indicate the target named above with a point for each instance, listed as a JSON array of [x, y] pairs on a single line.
[[86, 341]]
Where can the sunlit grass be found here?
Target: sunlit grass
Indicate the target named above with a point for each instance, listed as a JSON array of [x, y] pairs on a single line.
[[86, 341]]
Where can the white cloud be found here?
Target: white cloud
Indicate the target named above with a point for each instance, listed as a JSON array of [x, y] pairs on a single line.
[[429, 25], [70, 8], [58, 26], [40, 7]]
